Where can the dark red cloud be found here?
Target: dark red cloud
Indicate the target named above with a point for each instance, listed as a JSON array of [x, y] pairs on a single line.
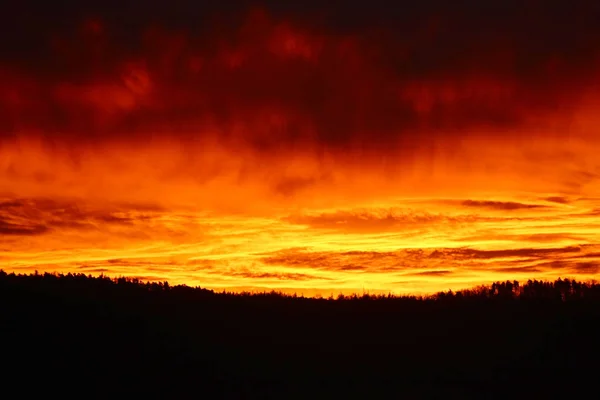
[[272, 75], [40, 216], [466, 253], [500, 205]]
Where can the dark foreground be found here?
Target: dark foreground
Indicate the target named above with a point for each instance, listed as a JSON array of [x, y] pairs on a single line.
[[97, 337]]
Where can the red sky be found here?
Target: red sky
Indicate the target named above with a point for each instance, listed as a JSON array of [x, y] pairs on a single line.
[[301, 147]]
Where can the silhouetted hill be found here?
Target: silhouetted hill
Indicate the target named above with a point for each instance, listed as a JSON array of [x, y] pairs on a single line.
[[96, 337]]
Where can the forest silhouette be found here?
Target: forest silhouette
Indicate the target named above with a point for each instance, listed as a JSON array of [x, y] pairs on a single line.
[[100, 336]]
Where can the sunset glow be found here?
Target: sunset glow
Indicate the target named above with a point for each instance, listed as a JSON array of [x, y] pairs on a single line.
[[277, 154]]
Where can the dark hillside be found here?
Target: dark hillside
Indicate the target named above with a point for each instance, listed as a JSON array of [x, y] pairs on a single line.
[[95, 337]]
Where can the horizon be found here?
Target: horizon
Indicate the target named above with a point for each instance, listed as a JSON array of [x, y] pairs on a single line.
[[516, 288]]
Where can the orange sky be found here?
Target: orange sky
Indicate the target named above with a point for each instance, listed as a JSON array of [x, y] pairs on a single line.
[[280, 154]]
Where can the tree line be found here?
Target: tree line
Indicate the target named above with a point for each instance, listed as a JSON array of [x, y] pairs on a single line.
[[559, 289]]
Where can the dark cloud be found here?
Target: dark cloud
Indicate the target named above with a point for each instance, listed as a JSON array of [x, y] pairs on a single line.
[[565, 264], [591, 255], [249, 273], [351, 261], [93, 269], [500, 205], [592, 213], [38, 216], [278, 276], [421, 262], [11, 204], [536, 237], [293, 257], [10, 229], [354, 261], [351, 267], [371, 221], [118, 219], [549, 237], [340, 74], [525, 269], [163, 265], [141, 207], [558, 199], [467, 253], [586, 267], [431, 273]]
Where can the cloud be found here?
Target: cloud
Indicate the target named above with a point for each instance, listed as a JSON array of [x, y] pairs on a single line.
[[549, 237], [591, 255], [255, 273], [592, 213], [39, 216], [468, 253], [567, 266], [113, 218], [558, 199], [586, 267], [431, 273], [10, 229], [92, 269], [525, 269], [299, 258], [351, 262], [500, 205], [10, 204], [275, 78], [283, 276], [494, 235], [427, 261], [373, 220]]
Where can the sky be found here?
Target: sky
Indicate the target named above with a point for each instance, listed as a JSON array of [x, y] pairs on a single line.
[[300, 146]]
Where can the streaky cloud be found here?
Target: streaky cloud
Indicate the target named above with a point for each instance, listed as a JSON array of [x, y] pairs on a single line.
[[500, 205]]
